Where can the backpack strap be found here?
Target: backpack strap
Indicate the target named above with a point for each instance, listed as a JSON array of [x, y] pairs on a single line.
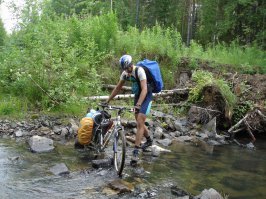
[[150, 81], [137, 77]]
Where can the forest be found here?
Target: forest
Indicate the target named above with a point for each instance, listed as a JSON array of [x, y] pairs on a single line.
[[62, 51]]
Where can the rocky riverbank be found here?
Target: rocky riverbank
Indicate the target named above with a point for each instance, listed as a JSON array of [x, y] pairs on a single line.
[[41, 132]]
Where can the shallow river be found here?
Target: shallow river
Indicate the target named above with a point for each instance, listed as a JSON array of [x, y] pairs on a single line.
[[233, 171]]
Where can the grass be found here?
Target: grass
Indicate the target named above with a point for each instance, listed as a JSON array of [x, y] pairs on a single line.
[[12, 107]]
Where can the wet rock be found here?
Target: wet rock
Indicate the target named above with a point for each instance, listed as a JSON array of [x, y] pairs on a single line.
[[202, 136], [44, 130], [158, 114], [102, 163], [178, 133], [194, 115], [13, 125], [10, 131], [155, 152], [45, 123], [64, 132], [131, 124], [180, 193], [59, 169], [165, 142], [57, 130], [213, 142], [40, 144], [250, 146], [169, 123], [71, 133], [73, 125], [121, 186], [179, 126], [172, 134], [19, 133], [184, 138], [210, 128], [209, 194], [158, 133]]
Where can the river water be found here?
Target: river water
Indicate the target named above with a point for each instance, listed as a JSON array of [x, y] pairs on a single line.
[[235, 172]]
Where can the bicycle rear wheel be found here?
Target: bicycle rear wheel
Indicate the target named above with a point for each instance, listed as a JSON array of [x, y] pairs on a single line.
[[119, 148]]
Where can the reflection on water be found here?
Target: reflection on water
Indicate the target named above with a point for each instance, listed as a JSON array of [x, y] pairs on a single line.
[[231, 170]]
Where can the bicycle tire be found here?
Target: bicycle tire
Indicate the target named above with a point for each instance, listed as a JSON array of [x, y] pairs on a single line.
[[119, 148]]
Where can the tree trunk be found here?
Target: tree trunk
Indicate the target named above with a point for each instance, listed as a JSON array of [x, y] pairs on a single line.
[[188, 23]]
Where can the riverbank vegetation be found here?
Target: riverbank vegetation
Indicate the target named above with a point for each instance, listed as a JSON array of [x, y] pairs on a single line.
[[58, 57]]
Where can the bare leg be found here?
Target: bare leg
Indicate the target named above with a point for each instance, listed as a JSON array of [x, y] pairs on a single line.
[[141, 128]]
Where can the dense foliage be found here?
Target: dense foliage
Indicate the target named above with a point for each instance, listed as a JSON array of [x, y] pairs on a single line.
[[65, 50], [207, 21]]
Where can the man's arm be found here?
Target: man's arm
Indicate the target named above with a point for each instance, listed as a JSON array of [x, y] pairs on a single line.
[[144, 91], [116, 90]]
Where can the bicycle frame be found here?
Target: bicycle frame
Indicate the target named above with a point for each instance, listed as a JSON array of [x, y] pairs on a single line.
[[114, 132]]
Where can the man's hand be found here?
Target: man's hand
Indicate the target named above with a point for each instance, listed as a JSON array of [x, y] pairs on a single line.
[[137, 108]]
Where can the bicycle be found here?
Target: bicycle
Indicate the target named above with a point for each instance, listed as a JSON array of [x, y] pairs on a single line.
[[108, 128]]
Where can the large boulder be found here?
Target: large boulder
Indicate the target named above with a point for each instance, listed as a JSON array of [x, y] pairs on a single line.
[[40, 144]]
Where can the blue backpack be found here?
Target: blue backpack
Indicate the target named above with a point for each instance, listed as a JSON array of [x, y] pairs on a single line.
[[153, 73]]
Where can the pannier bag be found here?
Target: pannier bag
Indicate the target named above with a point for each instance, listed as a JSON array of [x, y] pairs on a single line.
[[93, 121], [153, 73], [85, 131]]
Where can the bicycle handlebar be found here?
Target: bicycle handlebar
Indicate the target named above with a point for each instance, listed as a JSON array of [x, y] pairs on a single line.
[[110, 107]]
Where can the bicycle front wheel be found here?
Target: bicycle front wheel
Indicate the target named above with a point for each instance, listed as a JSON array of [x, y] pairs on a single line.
[[119, 148]]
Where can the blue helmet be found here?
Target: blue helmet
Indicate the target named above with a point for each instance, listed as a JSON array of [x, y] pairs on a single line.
[[125, 61]]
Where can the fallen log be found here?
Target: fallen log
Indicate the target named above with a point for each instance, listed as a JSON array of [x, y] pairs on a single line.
[[249, 123], [237, 124], [126, 96]]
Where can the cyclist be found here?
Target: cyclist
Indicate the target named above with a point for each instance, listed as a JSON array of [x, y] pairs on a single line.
[[142, 101]]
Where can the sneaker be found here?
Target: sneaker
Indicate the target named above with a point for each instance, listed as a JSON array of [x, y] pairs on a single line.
[[146, 144], [135, 157]]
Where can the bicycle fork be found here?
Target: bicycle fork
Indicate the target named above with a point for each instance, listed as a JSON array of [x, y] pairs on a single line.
[[116, 136]]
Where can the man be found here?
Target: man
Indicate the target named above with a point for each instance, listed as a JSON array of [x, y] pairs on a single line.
[[142, 101]]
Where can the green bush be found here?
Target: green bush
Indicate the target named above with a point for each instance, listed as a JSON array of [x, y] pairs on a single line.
[[202, 79], [54, 61]]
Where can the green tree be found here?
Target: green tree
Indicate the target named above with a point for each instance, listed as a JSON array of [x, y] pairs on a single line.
[[224, 20], [2, 33]]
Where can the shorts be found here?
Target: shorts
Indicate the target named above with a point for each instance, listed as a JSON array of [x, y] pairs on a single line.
[[146, 104]]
